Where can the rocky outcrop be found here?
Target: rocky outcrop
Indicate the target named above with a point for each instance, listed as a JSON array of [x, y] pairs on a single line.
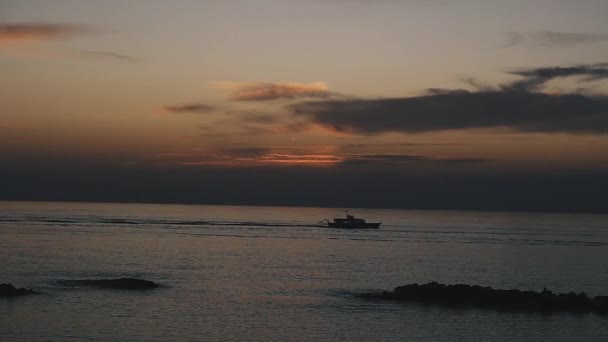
[[487, 297], [121, 283], [8, 290], [600, 304]]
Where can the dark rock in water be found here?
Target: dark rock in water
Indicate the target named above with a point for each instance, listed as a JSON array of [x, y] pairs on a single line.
[[487, 297], [600, 304], [8, 290], [121, 283]]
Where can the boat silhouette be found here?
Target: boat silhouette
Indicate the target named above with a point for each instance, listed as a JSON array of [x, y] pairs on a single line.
[[350, 222]]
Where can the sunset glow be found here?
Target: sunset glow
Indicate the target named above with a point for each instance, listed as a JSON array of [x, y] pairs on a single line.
[[359, 87]]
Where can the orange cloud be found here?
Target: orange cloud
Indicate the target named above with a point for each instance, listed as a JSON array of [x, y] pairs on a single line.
[[271, 159], [257, 156], [264, 91], [37, 31], [317, 156], [15, 39]]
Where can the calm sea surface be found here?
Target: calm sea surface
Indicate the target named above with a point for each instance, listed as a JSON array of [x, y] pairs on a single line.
[[271, 273]]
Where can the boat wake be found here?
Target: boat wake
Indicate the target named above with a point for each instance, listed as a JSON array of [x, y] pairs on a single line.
[[95, 220]]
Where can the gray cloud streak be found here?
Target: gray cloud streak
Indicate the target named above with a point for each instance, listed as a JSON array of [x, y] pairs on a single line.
[[534, 79], [555, 38], [104, 55]]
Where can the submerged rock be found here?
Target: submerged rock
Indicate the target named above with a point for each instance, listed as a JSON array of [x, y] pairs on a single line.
[[8, 290], [487, 297], [121, 283]]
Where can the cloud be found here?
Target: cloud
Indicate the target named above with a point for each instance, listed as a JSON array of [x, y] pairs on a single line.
[[103, 55], [514, 39], [264, 91], [570, 38], [247, 151], [534, 79], [269, 159], [261, 157], [37, 31], [408, 144], [405, 158], [12, 37], [190, 108], [303, 156], [255, 156], [555, 38], [517, 106], [254, 116]]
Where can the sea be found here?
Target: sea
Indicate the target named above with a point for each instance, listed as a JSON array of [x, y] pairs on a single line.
[[244, 273]]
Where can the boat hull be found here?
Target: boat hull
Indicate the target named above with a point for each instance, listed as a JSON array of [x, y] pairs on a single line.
[[357, 225]]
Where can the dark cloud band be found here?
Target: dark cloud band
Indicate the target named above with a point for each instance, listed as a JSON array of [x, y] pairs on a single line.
[[516, 106]]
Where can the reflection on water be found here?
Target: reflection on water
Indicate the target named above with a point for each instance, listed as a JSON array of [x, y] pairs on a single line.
[[268, 273]]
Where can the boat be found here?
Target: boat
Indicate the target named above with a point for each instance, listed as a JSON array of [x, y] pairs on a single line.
[[350, 222]]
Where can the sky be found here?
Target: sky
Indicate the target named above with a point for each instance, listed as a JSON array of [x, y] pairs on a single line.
[[481, 105]]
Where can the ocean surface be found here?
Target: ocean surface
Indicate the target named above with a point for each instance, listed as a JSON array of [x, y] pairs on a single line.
[[235, 273]]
